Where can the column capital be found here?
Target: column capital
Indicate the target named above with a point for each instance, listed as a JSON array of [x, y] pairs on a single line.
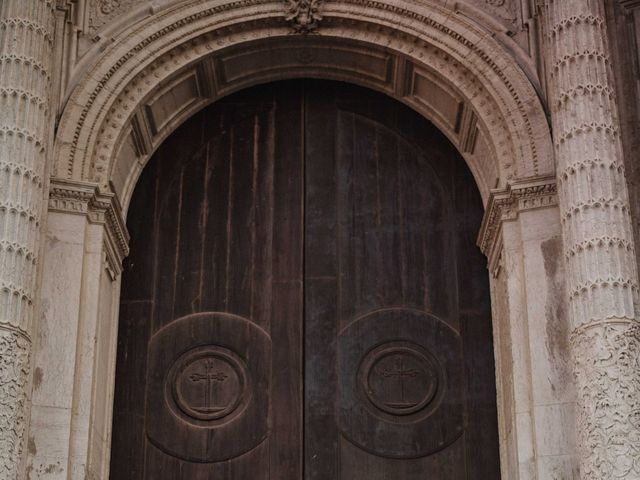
[[101, 207], [506, 204]]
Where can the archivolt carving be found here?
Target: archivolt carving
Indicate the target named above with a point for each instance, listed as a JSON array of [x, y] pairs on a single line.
[[508, 111]]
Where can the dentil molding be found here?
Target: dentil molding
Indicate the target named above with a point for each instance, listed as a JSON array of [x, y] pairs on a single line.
[[100, 207]]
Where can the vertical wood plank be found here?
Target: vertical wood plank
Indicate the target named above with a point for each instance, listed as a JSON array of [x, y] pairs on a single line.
[[321, 289], [286, 439]]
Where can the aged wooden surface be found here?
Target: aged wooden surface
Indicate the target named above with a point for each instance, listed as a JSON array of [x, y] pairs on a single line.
[[303, 261]]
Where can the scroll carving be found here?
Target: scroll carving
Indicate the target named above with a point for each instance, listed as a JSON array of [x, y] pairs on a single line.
[[14, 372], [607, 359]]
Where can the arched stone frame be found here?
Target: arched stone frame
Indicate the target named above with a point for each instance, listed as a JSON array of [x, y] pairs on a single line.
[[164, 68]]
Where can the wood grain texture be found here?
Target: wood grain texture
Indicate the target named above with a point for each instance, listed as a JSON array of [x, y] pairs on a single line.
[[218, 222], [334, 219], [391, 216]]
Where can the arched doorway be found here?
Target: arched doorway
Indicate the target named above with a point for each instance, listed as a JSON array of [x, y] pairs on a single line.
[[304, 298]]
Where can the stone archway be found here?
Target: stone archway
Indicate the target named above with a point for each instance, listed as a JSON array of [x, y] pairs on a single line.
[[163, 69], [438, 61]]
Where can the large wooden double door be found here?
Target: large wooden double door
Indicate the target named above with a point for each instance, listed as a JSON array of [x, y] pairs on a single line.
[[304, 298]]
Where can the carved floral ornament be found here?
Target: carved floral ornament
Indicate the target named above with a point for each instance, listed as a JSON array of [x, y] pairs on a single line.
[[109, 6], [304, 15]]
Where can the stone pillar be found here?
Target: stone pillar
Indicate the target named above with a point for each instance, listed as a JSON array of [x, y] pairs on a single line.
[[598, 244], [26, 48], [521, 236]]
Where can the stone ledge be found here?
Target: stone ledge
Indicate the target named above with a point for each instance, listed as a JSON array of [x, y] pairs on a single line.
[[100, 207], [505, 205]]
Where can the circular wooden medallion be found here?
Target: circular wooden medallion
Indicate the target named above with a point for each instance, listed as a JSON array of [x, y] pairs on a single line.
[[399, 378], [207, 383], [400, 383]]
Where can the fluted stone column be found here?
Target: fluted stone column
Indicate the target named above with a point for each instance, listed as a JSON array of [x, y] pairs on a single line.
[[598, 242], [26, 48]]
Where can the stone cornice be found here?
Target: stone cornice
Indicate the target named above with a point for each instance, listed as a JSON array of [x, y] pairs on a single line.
[[505, 205], [100, 207]]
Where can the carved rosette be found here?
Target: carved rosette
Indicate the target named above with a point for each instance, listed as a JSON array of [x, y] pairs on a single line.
[[598, 241], [26, 50]]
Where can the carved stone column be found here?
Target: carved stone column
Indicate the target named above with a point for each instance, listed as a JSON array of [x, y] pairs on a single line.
[[598, 242], [26, 41]]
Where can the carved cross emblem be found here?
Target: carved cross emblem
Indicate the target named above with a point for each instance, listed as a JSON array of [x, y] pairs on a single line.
[[209, 377], [404, 376]]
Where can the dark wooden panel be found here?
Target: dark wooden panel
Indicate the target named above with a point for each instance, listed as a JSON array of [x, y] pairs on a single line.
[[321, 287], [217, 259], [319, 200], [128, 439], [287, 295], [390, 265]]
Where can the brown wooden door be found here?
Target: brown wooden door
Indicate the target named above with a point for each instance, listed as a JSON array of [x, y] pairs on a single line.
[[304, 298]]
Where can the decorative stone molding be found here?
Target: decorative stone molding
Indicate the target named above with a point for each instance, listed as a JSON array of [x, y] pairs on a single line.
[[513, 137], [100, 207], [505, 205], [601, 265], [26, 46]]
